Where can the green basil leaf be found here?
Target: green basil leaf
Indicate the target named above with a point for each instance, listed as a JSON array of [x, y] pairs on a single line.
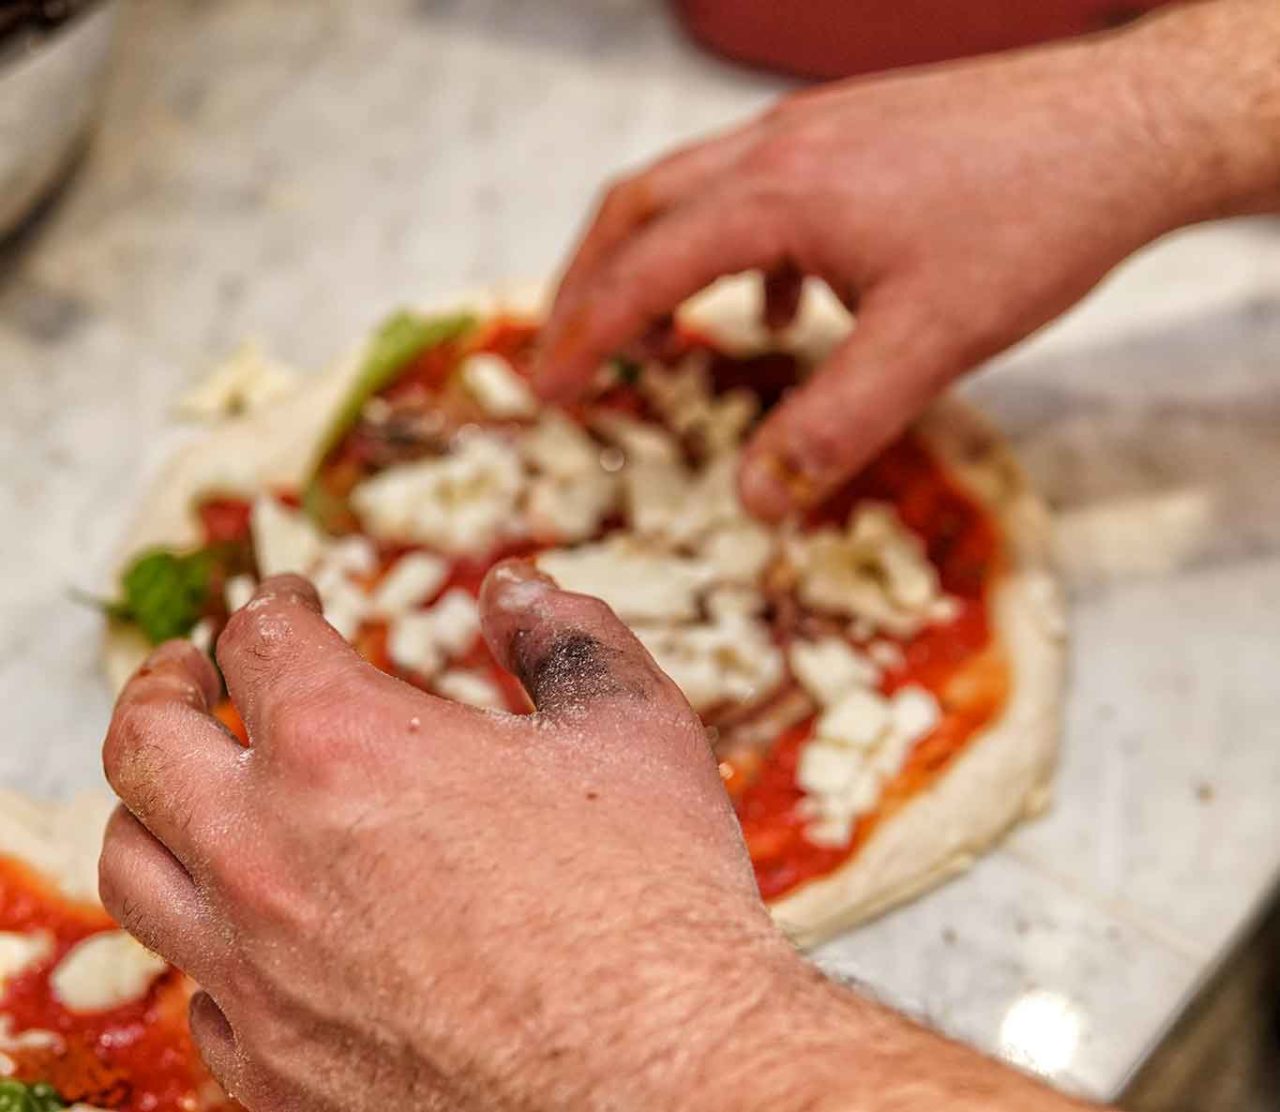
[[164, 593], [18, 1097]]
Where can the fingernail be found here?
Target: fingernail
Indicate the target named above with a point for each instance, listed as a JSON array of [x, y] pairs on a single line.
[[773, 484]]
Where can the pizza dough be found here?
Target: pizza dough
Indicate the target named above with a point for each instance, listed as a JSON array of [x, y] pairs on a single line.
[[1001, 775]]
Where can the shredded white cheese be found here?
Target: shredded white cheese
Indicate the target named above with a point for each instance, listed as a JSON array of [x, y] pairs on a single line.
[[640, 583], [471, 688], [459, 504]]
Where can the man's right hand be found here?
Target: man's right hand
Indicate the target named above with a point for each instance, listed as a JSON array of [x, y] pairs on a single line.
[[957, 209]]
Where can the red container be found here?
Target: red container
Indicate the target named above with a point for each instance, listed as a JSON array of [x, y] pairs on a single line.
[[837, 38]]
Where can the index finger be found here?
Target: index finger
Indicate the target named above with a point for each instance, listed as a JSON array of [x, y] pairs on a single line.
[[278, 651], [726, 231]]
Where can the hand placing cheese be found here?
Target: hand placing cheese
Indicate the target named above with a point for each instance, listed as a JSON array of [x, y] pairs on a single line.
[[346, 893], [957, 209]]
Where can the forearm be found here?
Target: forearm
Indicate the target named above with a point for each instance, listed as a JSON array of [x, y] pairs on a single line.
[[1203, 84], [809, 1045]]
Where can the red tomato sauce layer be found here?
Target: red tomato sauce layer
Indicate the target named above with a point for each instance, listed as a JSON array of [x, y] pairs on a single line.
[[957, 662], [135, 1058]]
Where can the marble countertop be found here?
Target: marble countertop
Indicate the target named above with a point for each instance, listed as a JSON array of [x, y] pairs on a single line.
[[289, 172]]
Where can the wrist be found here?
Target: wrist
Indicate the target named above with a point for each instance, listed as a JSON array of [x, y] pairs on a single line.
[[1200, 89]]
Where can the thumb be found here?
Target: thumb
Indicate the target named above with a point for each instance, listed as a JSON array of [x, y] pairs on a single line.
[[570, 651], [870, 388]]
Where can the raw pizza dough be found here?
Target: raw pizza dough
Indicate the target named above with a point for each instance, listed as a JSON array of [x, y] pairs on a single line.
[[1000, 777]]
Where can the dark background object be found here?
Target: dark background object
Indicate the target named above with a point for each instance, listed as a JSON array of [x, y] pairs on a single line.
[[838, 38]]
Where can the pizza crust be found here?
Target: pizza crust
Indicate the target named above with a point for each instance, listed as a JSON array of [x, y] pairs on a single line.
[[1002, 776]]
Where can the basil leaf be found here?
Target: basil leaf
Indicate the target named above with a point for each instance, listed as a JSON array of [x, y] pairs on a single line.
[[164, 593], [17, 1097]]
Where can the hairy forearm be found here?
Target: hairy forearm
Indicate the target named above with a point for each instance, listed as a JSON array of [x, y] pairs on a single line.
[[1204, 84], [810, 1045]]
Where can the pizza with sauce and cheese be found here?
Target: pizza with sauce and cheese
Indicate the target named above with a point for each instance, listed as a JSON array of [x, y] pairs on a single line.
[[880, 679]]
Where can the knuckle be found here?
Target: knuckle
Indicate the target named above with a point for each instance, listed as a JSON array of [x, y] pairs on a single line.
[[132, 743]]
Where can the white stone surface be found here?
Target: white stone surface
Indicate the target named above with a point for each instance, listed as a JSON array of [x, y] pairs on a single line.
[[289, 172]]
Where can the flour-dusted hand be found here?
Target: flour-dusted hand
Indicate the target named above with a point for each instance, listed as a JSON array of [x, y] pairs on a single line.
[[393, 901], [956, 209]]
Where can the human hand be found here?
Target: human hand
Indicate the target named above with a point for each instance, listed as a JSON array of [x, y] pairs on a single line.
[[393, 901], [956, 209]]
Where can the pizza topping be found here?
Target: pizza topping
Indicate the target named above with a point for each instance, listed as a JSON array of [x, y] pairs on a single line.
[[165, 593], [472, 688], [460, 503], [284, 540], [15, 1096], [103, 972], [501, 393], [858, 720], [238, 385], [859, 744], [683, 398], [20, 953], [731, 659], [641, 584], [239, 591], [740, 551], [830, 667], [422, 641], [875, 571], [413, 580], [402, 338]]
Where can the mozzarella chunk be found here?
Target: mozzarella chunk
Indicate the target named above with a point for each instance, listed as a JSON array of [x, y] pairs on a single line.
[[459, 503], [830, 668], [859, 719], [735, 601], [414, 579], [828, 768], [238, 591], [667, 502], [240, 384], [560, 447], [284, 540], [411, 644], [859, 745], [20, 953], [874, 571], [732, 660], [569, 510], [739, 552], [641, 585], [201, 635], [345, 604], [423, 640], [456, 621], [471, 688], [493, 382], [104, 971]]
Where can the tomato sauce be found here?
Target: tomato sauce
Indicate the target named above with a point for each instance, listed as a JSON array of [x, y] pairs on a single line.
[[963, 543], [135, 1058]]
